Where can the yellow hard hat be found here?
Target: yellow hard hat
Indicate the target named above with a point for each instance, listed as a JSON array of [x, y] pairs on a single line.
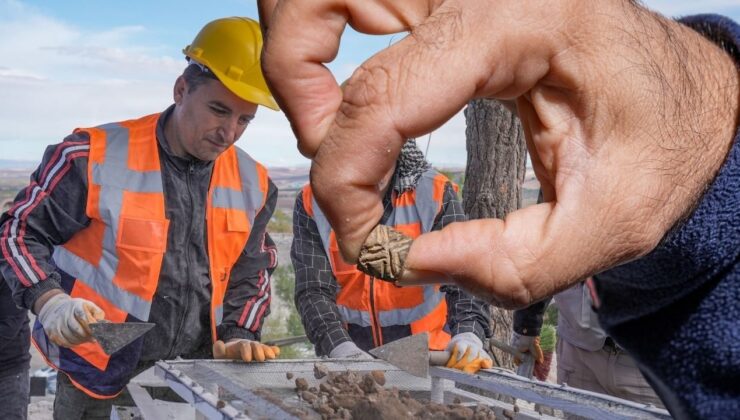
[[230, 48]]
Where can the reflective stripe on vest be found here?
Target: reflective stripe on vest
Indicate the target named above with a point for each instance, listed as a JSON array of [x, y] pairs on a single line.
[[423, 211], [114, 178], [115, 261]]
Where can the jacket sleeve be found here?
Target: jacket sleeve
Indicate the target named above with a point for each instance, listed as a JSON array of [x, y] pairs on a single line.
[[248, 296], [315, 284], [48, 212], [528, 321], [465, 313]]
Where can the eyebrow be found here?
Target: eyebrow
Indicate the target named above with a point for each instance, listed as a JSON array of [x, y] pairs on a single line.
[[220, 104]]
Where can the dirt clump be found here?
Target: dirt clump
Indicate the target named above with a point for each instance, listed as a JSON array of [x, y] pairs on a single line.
[[353, 395], [384, 252], [301, 384], [320, 370]]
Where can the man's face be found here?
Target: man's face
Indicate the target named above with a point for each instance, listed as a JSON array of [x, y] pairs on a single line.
[[208, 119]]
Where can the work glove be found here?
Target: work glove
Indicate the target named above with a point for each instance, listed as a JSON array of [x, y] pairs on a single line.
[[467, 354], [348, 350], [66, 320], [245, 350], [527, 344]]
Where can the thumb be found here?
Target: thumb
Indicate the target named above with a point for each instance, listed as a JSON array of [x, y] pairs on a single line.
[[516, 261], [219, 350], [93, 312]]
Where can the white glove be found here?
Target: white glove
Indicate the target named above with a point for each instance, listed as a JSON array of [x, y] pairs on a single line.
[[66, 320], [348, 350], [465, 342]]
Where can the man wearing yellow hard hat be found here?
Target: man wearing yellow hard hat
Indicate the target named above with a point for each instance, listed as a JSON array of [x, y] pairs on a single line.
[[157, 219]]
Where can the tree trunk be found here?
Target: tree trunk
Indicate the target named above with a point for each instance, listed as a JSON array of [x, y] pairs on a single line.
[[493, 181]]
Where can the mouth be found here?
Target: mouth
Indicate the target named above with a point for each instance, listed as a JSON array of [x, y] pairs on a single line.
[[215, 143]]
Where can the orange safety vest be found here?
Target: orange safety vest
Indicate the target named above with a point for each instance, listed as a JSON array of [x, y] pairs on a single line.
[[116, 260], [364, 301]]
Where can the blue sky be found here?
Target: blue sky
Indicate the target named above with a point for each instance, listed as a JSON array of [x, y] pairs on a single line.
[[79, 63]]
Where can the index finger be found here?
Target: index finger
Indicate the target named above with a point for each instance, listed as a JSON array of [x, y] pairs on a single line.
[[301, 36]]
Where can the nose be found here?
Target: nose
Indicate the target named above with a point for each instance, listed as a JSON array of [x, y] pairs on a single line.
[[229, 130]]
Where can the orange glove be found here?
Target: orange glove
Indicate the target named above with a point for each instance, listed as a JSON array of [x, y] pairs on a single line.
[[246, 350], [473, 357], [527, 344]]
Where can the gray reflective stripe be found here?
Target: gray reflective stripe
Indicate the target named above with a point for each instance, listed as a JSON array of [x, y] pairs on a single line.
[[353, 316], [405, 215], [425, 205], [114, 178], [405, 316], [226, 198], [254, 197], [115, 175], [219, 314], [99, 279], [324, 227]]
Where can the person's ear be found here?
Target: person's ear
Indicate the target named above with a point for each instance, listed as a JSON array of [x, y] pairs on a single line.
[[179, 89]]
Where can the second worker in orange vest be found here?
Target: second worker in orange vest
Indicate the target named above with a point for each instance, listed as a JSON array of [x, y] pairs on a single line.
[[345, 312]]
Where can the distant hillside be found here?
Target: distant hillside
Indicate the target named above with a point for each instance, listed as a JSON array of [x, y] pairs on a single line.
[[18, 165]]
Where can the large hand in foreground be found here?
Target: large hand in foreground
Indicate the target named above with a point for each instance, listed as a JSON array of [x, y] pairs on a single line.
[[627, 115]]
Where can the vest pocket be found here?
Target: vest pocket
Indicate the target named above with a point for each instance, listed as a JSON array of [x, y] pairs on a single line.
[[141, 245], [146, 235]]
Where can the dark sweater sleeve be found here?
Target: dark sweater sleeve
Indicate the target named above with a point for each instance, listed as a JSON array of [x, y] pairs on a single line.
[[315, 285], [528, 321], [465, 313], [248, 296], [48, 212]]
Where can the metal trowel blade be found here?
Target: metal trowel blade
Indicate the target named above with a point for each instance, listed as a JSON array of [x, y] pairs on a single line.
[[113, 336], [410, 354]]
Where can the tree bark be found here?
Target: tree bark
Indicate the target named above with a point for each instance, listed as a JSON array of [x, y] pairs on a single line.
[[494, 175]]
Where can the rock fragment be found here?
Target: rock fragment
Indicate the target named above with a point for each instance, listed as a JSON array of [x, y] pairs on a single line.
[[384, 253]]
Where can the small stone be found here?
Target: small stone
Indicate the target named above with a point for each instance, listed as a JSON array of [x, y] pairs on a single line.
[[379, 377], [301, 384], [220, 404], [325, 410], [289, 375], [383, 254], [320, 370], [309, 396], [368, 384]]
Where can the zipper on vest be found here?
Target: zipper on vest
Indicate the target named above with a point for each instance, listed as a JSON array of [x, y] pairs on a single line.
[[190, 171], [376, 329]]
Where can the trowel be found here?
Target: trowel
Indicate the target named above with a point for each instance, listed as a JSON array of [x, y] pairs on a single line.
[[113, 336], [412, 355]]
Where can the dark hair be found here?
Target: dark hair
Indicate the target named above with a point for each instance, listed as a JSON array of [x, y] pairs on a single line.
[[196, 75]]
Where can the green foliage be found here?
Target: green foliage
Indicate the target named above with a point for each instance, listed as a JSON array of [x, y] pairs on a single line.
[[551, 315], [280, 326], [547, 338], [283, 282], [456, 177], [280, 222]]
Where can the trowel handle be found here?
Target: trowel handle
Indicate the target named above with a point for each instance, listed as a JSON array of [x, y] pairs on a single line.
[[439, 358]]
